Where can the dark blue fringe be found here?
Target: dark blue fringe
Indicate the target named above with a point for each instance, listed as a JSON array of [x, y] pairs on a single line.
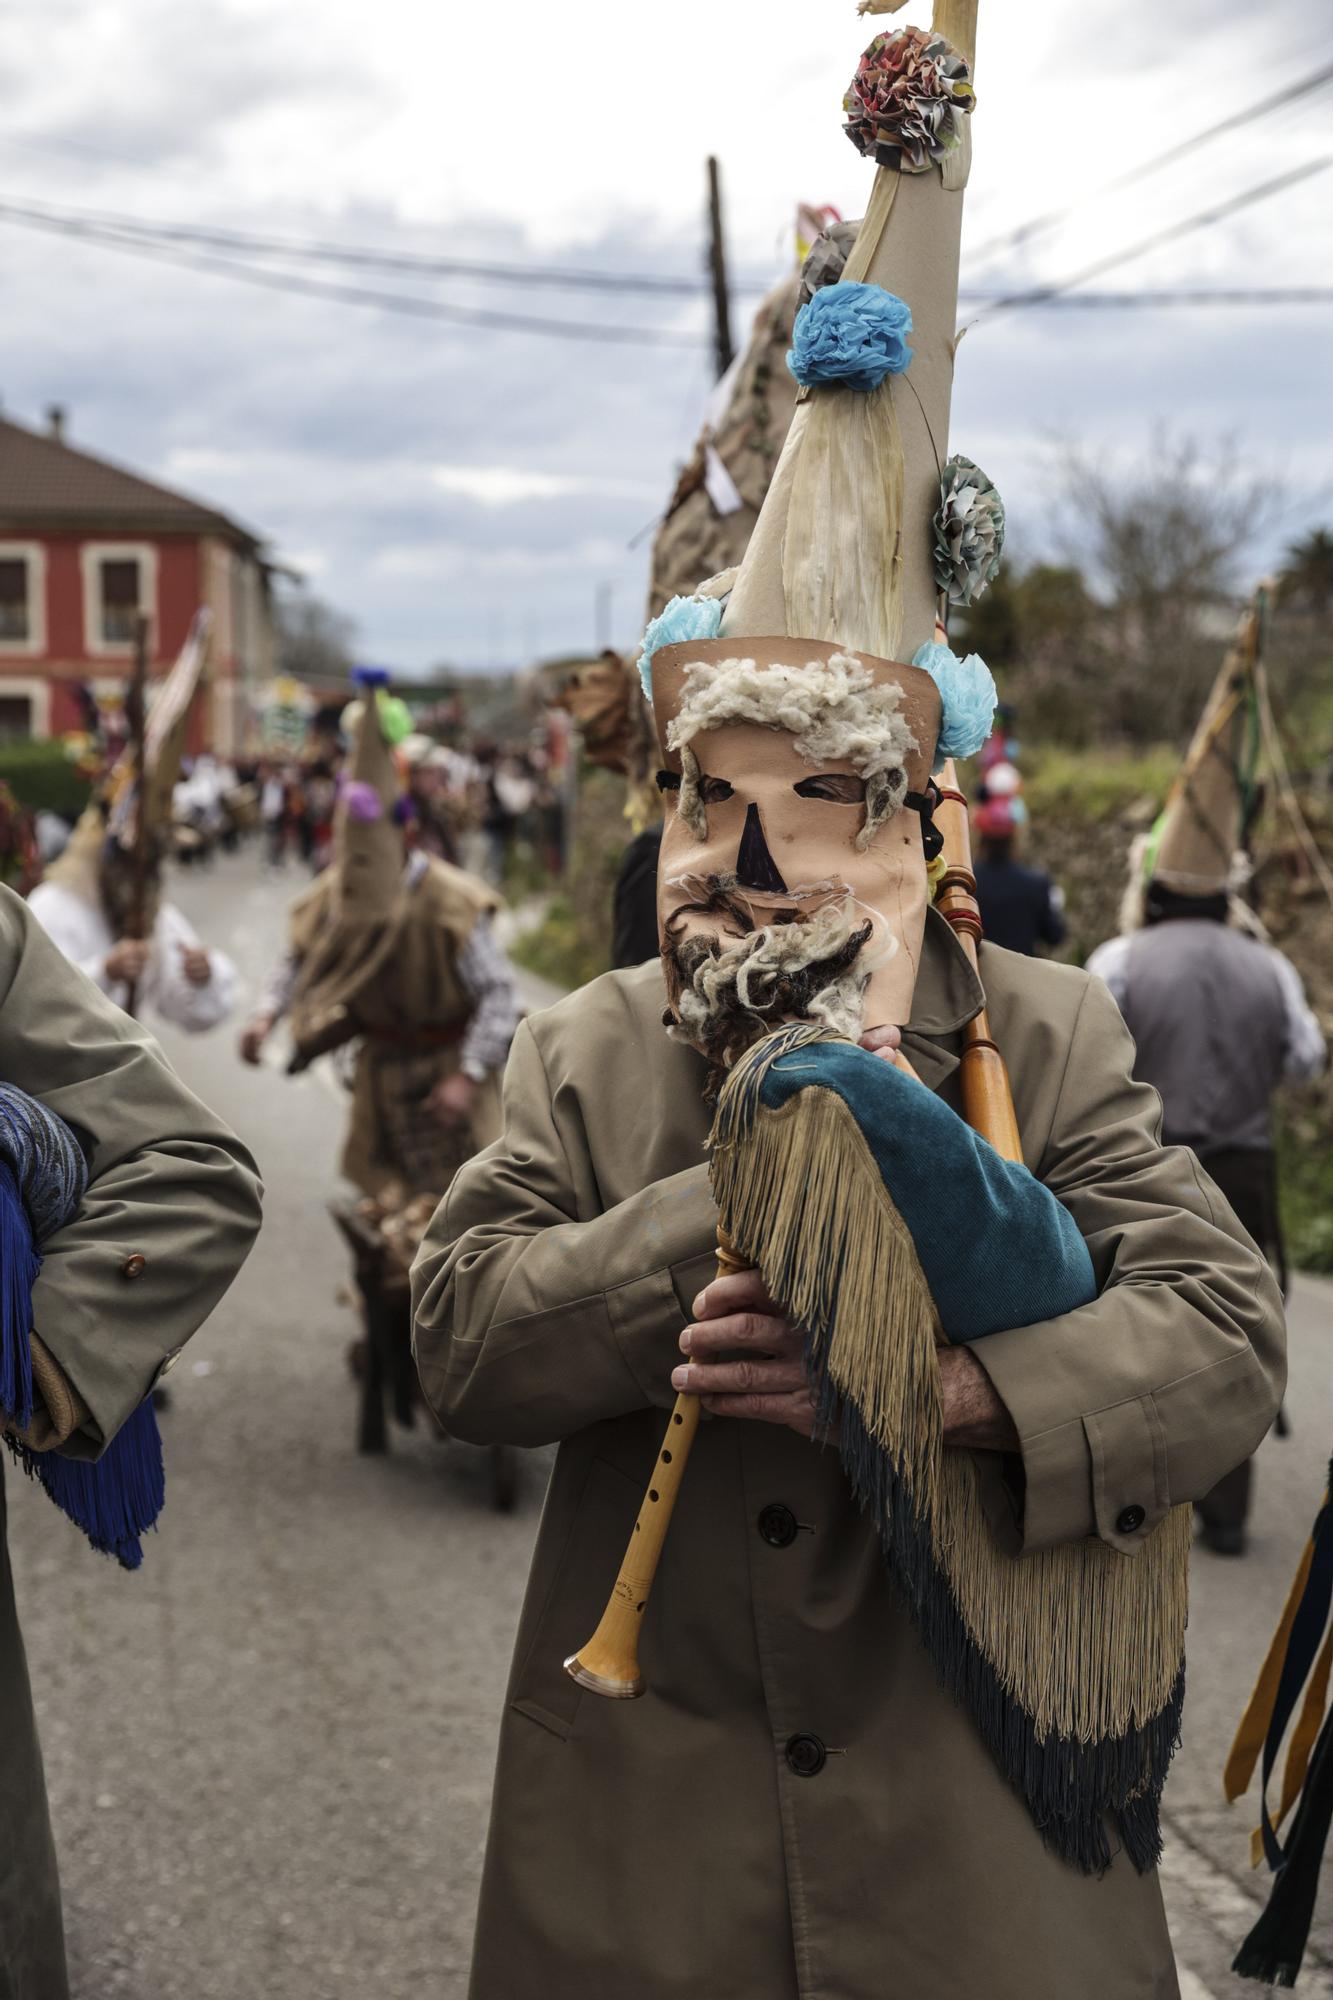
[[117, 1497], [1071, 1789], [19, 1266]]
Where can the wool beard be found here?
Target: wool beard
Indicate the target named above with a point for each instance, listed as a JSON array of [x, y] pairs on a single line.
[[728, 989]]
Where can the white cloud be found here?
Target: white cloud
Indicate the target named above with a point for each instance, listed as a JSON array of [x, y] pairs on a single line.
[[463, 489], [505, 486]]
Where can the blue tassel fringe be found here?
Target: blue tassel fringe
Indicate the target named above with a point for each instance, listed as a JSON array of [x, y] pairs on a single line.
[[118, 1497]]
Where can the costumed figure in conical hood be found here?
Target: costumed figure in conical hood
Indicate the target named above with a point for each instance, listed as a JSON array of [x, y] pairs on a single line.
[[802, 715], [910, 1653], [101, 900], [1219, 1016], [393, 949]]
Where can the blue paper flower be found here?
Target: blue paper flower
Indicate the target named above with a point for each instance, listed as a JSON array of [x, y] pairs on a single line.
[[967, 696], [854, 334], [684, 618]]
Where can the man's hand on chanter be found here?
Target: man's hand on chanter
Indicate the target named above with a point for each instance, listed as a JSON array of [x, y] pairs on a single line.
[[763, 1374]]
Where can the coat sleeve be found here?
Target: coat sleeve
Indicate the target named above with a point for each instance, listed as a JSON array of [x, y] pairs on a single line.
[[535, 1314], [168, 1183], [1171, 1377]]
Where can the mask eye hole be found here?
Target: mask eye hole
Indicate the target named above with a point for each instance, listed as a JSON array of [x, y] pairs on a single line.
[[714, 791], [668, 781], [839, 788]]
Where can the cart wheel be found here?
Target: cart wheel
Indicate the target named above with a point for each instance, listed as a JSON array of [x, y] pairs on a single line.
[[504, 1478]]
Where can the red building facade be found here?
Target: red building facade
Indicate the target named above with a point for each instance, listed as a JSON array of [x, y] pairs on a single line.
[[85, 547]]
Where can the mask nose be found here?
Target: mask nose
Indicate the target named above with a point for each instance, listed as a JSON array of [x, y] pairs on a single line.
[[755, 866]]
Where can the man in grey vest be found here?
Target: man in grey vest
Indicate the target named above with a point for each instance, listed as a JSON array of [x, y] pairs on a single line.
[[1218, 1015]]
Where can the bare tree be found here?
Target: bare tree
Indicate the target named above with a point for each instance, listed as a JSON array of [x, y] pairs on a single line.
[[1162, 546], [314, 641]]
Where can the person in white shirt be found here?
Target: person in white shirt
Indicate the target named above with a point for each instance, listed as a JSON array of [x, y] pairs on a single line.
[[82, 907]]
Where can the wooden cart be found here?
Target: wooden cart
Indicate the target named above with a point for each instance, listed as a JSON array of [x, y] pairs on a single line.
[[389, 1375]]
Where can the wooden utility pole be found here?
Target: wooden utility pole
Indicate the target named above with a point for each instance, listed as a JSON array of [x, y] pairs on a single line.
[[723, 350], [137, 717]]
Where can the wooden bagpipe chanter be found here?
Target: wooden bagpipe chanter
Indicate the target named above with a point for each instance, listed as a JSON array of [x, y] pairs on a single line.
[[888, 1226]]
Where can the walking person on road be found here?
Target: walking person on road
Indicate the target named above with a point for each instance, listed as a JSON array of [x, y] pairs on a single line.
[[1220, 1023], [141, 1207], [85, 905], [394, 949], [1219, 1016]]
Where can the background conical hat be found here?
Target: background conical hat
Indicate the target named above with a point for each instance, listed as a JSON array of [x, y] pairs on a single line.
[[1203, 825], [368, 852]]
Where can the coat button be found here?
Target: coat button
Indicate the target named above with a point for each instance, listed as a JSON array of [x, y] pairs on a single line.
[[1129, 1520], [777, 1527], [134, 1266], [806, 1755]]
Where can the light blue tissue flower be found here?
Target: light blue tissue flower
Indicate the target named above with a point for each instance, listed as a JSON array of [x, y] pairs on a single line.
[[967, 696], [854, 334], [684, 618]]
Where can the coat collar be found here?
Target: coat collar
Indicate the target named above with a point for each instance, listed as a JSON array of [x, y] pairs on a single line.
[[947, 995]]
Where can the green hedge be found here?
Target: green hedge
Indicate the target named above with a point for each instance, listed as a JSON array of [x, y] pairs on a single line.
[[42, 777]]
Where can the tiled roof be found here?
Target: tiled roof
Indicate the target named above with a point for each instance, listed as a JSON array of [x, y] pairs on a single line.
[[45, 482]]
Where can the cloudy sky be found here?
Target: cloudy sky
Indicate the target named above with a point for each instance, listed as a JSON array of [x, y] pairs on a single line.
[[463, 491]]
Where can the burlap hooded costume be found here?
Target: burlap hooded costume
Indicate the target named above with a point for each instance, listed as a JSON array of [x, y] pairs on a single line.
[[838, 1803], [377, 951]]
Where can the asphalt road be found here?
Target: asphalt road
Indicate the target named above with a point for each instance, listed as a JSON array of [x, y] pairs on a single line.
[[269, 1753]]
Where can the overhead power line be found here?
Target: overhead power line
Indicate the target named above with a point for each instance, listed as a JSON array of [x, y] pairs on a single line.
[[1038, 295], [418, 306], [411, 304], [1183, 295], [414, 262], [1013, 239]]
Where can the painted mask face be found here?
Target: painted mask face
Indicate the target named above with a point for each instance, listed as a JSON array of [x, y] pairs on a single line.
[[792, 882]]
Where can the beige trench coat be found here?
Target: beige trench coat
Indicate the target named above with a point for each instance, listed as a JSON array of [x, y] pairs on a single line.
[[173, 1205], [668, 1847]]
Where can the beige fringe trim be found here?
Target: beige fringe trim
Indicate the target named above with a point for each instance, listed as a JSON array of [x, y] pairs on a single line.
[[1087, 1641]]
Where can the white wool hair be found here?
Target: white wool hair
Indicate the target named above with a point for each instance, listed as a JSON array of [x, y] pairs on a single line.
[[743, 970], [834, 709]]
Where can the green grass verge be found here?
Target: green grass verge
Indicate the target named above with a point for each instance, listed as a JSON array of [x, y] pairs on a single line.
[[559, 948]]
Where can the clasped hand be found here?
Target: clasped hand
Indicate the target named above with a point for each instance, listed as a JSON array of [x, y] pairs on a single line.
[[744, 1357]]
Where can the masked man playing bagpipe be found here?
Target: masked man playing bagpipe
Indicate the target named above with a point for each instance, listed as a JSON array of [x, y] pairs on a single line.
[[914, 1649]]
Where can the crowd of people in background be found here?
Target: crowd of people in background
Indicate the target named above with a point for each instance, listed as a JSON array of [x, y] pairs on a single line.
[[470, 806]]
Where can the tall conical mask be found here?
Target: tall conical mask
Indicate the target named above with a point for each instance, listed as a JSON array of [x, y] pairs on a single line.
[[367, 840], [801, 721], [1200, 843]]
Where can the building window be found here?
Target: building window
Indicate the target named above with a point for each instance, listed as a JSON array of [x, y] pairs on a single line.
[[15, 718], [15, 623], [22, 610], [118, 598], [119, 583]]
